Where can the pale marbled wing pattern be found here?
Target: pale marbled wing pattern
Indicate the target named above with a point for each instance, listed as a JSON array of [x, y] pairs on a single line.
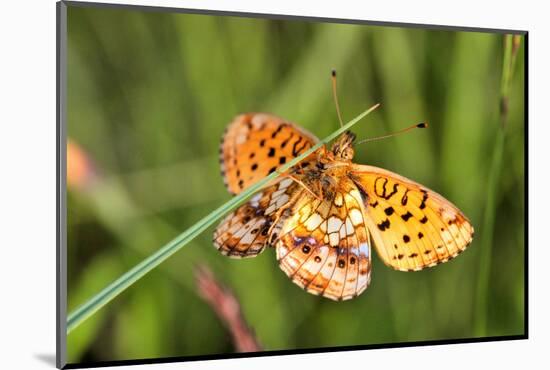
[[412, 226], [324, 244], [246, 231]]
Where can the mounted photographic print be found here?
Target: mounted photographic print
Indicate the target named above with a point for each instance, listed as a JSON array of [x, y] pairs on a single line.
[[236, 185]]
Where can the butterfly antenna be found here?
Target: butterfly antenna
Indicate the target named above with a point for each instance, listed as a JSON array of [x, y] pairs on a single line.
[[335, 96], [418, 125]]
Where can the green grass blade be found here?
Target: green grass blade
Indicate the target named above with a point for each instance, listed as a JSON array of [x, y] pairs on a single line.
[[492, 189], [78, 316]]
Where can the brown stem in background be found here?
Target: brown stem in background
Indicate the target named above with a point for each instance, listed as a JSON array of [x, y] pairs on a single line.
[[227, 307]]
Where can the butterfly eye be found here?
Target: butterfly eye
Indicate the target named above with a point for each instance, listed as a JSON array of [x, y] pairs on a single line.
[[348, 153]]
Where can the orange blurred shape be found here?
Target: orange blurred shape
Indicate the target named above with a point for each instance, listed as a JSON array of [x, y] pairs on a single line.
[[80, 170]]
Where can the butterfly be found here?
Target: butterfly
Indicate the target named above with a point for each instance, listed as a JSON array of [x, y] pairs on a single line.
[[325, 213]]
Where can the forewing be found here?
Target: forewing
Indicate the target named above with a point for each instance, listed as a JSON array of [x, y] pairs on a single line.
[[324, 245], [256, 144], [245, 232], [412, 227]]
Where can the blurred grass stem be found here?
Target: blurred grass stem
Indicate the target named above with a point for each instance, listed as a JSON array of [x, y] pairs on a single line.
[[511, 44]]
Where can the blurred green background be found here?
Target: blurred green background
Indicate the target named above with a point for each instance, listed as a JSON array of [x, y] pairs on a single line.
[[149, 95]]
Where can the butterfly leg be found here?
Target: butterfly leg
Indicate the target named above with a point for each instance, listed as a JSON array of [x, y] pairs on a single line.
[[301, 183]]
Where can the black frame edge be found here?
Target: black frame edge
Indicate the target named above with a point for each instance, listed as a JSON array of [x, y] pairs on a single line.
[[526, 185]]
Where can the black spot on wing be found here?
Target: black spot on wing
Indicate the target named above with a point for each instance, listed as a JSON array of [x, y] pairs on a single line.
[[380, 188], [406, 216], [283, 144], [424, 198], [405, 198], [276, 132], [384, 225]]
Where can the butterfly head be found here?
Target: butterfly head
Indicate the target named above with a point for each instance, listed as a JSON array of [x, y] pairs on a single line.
[[342, 149]]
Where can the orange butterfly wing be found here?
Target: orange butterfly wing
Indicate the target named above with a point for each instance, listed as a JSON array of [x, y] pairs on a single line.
[[256, 144], [324, 245], [412, 227]]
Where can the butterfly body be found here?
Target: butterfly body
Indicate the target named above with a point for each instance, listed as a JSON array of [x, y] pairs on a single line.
[[325, 213]]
